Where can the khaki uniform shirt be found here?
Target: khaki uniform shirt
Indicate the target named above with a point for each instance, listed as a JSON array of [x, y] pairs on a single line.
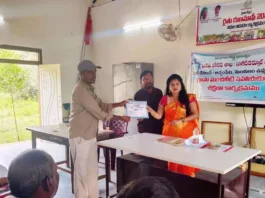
[[86, 111]]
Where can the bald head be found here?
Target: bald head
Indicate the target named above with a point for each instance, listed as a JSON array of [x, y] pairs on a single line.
[[32, 172]]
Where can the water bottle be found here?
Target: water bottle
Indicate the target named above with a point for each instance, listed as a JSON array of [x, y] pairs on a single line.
[[196, 134]]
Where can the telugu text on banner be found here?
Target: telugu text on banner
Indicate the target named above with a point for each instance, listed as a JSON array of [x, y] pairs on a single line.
[[236, 77]]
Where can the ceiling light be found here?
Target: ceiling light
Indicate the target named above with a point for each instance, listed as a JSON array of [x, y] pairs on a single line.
[[142, 25], [1, 19]]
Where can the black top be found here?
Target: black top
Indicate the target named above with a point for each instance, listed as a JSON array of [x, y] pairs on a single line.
[[150, 125]]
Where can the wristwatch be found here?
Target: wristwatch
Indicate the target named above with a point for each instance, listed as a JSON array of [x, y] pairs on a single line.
[[183, 120]]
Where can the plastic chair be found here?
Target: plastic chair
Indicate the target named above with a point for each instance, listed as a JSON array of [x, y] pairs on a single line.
[[119, 128]]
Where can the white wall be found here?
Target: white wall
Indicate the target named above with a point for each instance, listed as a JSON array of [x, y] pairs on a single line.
[[110, 45], [55, 26]]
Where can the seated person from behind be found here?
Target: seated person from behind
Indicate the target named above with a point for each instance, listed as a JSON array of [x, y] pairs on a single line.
[[149, 187], [33, 174]]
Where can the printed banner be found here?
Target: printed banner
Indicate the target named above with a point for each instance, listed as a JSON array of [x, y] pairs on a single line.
[[231, 22], [237, 77]]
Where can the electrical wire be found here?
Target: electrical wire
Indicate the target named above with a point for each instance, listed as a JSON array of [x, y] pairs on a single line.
[[247, 125], [179, 10], [185, 17]]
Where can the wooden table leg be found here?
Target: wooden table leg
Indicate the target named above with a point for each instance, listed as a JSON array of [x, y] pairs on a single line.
[[107, 171], [113, 158], [248, 178], [220, 189], [67, 154], [72, 173], [34, 141]]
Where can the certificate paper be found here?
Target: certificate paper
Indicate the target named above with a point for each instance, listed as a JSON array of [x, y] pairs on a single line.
[[137, 109]]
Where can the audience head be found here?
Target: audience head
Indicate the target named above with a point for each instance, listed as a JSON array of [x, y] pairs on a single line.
[[149, 187], [146, 79], [176, 87], [33, 174]]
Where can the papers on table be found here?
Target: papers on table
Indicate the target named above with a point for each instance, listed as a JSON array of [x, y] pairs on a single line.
[[137, 109], [201, 145], [223, 148], [202, 142]]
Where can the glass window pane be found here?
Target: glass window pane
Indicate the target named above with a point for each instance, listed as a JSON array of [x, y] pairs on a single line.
[[18, 55]]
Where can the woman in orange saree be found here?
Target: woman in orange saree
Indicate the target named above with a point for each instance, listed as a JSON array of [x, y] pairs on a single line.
[[181, 116]]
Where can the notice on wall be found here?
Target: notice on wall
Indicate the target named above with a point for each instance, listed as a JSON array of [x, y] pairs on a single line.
[[231, 22], [237, 77]]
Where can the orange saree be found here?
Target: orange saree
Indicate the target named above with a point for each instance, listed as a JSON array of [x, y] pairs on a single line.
[[176, 111]]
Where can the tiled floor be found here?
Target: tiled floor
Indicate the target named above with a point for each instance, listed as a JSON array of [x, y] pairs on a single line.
[[9, 151]]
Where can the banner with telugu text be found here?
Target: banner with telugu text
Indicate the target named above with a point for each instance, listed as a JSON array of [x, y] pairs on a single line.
[[231, 22], [237, 77]]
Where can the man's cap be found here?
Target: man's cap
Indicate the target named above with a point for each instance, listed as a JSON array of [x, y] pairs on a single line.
[[87, 65]]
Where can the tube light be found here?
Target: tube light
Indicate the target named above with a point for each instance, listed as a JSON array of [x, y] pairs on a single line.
[[143, 25]]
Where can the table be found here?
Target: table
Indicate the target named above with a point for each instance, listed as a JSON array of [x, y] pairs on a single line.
[[212, 161], [62, 137]]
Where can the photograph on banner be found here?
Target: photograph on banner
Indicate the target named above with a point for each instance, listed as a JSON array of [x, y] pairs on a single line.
[[235, 77], [231, 22]]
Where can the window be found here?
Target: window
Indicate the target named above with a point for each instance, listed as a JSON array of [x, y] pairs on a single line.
[[33, 57]]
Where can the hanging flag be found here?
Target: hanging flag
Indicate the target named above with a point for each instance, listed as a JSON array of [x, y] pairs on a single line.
[[88, 29]]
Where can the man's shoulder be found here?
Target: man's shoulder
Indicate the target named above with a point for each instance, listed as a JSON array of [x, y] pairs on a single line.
[[80, 91], [138, 93], [77, 89], [157, 90], [80, 87]]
